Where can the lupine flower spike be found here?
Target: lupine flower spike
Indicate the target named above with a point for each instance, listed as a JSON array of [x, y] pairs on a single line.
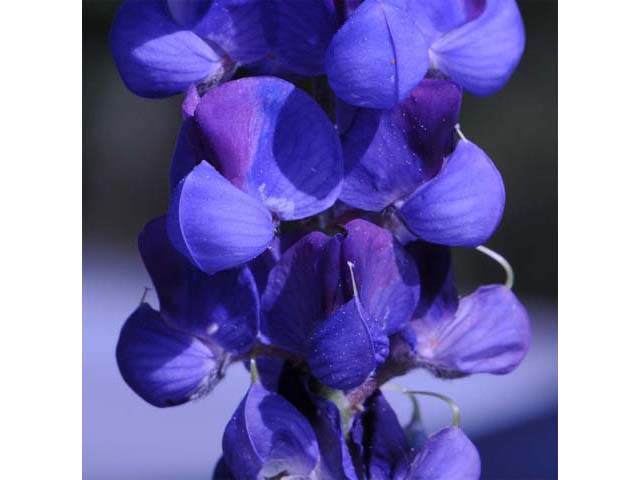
[[319, 180]]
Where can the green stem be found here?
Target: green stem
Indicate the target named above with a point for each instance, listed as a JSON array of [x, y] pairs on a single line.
[[253, 366]]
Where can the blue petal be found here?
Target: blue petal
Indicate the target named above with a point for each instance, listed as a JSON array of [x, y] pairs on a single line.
[[262, 265], [294, 300], [448, 454], [335, 459], [482, 54], [382, 447], [214, 224], [346, 348], [237, 28], [271, 66], [272, 140], [168, 270], [223, 307], [155, 56], [188, 12], [345, 117], [386, 276], [378, 56], [162, 365], [325, 418], [438, 294], [268, 436], [304, 31], [489, 333], [388, 154], [437, 17], [184, 158], [462, 205], [270, 371], [222, 471]]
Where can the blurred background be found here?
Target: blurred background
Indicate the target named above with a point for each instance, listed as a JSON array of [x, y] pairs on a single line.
[[127, 148]]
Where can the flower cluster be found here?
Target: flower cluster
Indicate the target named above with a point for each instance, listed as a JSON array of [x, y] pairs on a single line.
[[319, 179]]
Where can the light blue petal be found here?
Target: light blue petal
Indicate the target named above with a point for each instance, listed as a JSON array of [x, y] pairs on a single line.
[[214, 224], [378, 56], [462, 205], [482, 54]]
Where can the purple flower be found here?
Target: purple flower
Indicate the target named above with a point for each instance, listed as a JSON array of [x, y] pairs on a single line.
[[382, 449], [325, 417], [280, 160], [407, 159], [485, 332], [161, 47], [177, 354], [335, 301], [316, 254], [478, 43], [267, 437], [377, 56], [387, 46]]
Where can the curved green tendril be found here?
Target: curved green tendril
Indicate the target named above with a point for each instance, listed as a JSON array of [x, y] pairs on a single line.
[[454, 407], [503, 263], [411, 393]]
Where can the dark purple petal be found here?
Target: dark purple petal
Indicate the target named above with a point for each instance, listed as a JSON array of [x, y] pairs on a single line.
[[304, 31], [189, 150], [347, 347], [294, 299], [448, 454], [168, 270], [462, 205], [386, 276], [162, 365], [489, 333], [345, 117], [388, 154], [482, 54], [184, 158], [438, 294], [268, 436], [154, 55], [273, 141], [335, 461], [188, 12], [324, 417], [214, 224], [383, 450], [222, 472], [262, 265], [237, 28], [223, 307], [378, 56], [270, 370], [271, 66]]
